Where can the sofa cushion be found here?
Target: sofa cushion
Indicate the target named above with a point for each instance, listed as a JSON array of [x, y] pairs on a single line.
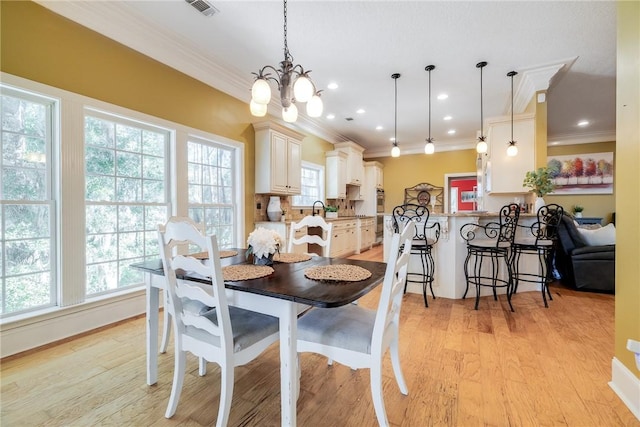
[[599, 236]]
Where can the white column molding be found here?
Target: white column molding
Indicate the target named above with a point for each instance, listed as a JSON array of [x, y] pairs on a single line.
[[533, 80]]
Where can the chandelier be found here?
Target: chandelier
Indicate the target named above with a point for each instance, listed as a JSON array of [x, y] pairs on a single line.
[[293, 83]]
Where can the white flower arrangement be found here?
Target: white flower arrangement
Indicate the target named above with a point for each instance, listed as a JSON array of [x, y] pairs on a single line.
[[263, 242]]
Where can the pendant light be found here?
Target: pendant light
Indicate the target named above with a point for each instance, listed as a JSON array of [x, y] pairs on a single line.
[[395, 150], [481, 147], [512, 149], [429, 148]]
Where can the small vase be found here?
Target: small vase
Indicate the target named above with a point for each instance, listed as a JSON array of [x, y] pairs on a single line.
[[265, 260], [578, 214], [274, 211], [538, 204]]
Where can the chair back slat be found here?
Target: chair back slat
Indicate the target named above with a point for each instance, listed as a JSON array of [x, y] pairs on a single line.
[[182, 296], [311, 221], [388, 313]]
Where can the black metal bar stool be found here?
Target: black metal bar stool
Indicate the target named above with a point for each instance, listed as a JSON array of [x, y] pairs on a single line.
[[424, 238], [538, 239], [491, 242]]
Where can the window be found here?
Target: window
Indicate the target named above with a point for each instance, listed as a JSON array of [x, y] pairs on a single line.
[[126, 198], [312, 185], [211, 171], [27, 214]]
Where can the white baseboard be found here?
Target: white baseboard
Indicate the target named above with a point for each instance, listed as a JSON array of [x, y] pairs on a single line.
[[626, 385], [62, 323]]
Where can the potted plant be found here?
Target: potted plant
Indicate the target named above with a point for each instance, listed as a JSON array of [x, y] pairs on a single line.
[[539, 181], [577, 211], [331, 211]]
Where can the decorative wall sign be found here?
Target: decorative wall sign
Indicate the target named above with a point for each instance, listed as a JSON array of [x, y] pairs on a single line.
[[590, 173], [425, 194]]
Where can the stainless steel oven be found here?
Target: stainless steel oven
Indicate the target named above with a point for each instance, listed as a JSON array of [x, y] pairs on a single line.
[[380, 201]]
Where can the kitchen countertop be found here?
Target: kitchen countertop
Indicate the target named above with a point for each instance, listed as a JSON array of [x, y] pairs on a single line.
[[340, 218]]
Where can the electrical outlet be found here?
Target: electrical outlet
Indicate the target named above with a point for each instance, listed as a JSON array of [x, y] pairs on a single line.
[[259, 206]]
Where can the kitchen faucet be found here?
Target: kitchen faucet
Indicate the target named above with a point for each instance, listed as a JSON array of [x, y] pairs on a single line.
[[313, 208]]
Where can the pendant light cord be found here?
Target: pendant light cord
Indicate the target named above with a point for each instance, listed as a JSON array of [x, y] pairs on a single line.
[[430, 103], [395, 77]]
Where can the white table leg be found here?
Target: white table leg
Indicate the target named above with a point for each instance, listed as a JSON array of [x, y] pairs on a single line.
[[153, 305], [288, 362]]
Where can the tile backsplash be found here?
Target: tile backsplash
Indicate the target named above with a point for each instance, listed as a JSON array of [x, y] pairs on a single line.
[[346, 207]]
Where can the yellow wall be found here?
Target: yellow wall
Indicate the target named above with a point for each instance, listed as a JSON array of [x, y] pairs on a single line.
[[595, 205], [627, 168], [409, 170], [39, 45]]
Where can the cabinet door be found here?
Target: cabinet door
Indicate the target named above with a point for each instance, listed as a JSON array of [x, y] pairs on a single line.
[[336, 175], [294, 166], [279, 164]]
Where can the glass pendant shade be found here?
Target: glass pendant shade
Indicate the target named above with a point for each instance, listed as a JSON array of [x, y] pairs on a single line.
[[258, 110], [429, 148], [315, 106], [395, 151], [303, 89], [290, 114], [512, 150], [261, 91], [481, 147]]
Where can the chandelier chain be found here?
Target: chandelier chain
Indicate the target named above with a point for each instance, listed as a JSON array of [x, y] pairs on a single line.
[[286, 46]]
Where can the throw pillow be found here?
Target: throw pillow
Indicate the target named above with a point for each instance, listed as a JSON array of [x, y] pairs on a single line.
[[600, 236]]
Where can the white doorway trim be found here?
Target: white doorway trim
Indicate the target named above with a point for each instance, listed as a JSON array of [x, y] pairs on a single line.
[[448, 177]]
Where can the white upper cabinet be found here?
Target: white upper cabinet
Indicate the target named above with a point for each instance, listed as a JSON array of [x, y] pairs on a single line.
[[355, 169], [505, 174], [278, 159], [369, 190], [336, 162]]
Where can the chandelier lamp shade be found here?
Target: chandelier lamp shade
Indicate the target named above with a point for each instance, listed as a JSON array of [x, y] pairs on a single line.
[[481, 146], [429, 148], [512, 148], [293, 82], [395, 150]]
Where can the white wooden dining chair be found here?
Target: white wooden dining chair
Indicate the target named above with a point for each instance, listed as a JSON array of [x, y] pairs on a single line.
[[204, 324], [359, 337], [311, 221]]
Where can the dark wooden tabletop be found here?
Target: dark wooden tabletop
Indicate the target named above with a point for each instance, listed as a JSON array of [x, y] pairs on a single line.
[[289, 282]]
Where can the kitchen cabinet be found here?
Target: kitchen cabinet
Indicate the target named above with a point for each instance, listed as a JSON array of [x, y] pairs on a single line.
[[505, 174], [369, 190], [355, 169], [367, 234], [278, 162], [344, 239], [336, 163]]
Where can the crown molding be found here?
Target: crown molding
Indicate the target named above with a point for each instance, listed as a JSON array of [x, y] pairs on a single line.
[[580, 138], [538, 79]]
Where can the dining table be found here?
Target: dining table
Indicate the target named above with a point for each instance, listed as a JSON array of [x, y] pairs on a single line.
[[286, 294]]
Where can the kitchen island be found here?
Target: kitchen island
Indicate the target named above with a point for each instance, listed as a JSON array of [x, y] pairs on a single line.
[[451, 251]]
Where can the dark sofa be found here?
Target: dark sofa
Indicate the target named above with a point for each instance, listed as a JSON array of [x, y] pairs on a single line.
[[589, 268]]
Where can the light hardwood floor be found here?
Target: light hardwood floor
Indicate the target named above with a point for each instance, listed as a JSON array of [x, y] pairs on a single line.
[[463, 367]]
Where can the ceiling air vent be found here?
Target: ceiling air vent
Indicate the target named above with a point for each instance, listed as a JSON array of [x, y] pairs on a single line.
[[203, 7]]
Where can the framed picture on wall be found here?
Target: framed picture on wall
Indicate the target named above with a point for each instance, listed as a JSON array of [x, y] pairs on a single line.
[[590, 173]]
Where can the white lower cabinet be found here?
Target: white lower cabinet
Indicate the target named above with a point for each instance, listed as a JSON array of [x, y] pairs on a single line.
[[283, 229], [367, 234], [344, 239]]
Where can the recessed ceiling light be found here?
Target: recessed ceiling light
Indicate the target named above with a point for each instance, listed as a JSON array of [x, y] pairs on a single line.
[[443, 96], [451, 131], [447, 118], [583, 123], [332, 85], [331, 116], [379, 127], [360, 111]]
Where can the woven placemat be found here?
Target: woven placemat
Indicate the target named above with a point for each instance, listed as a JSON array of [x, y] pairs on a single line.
[[245, 272], [223, 254], [289, 258], [337, 273]]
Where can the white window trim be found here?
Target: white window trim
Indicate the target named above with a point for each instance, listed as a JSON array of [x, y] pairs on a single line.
[[310, 165], [74, 316]]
